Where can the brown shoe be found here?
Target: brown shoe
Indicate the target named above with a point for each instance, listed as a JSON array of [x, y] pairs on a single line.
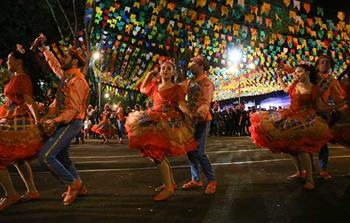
[[161, 187], [211, 188], [325, 175], [82, 190], [72, 193], [309, 186], [192, 185], [30, 196], [164, 194], [9, 200], [298, 175]]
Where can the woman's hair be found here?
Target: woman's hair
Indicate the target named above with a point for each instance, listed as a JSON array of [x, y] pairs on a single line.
[[169, 62], [32, 69], [312, 72]]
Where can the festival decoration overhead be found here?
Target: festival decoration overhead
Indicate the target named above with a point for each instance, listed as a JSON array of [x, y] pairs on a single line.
[[243, 40]]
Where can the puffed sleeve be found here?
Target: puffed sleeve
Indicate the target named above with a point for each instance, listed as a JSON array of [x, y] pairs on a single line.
[[19, 85], [292, 87], [25, 85], [150, 88]]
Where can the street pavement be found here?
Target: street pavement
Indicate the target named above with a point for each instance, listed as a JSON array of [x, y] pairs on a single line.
[[252, 187]]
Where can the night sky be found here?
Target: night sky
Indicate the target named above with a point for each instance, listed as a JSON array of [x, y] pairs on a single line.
[[22, 20]]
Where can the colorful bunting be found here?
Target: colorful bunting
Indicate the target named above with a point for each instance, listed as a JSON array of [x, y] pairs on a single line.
[[136, 35]]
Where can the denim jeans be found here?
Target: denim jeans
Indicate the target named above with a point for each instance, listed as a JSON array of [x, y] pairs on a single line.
[[323, 157], [198, 156], [121, 124], [55, 152], [324, 152]]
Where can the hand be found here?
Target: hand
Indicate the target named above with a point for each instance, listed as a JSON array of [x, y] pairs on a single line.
[[201, 115], [152, 73], [189, 114], [3, 121], [38, 42]]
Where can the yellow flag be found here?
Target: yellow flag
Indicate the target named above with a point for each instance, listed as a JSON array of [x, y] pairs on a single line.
[[224, 11], [201, 3], [292, 14], [286, 2], [265, 8], [249, 18], [229, 2]]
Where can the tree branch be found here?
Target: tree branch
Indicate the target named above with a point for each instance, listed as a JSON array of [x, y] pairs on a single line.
[[67, 20], [54, 18]]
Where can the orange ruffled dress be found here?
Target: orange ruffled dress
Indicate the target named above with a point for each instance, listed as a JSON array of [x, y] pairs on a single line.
[[20, 138], [161, 130], [105, 126], [292, 130], [341, 127]]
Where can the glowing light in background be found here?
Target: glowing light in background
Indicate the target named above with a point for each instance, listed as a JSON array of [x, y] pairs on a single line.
[[251, 66], [96, 55], [235, 55]]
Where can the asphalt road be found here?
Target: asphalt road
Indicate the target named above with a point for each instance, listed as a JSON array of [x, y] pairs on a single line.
[[252, 187]]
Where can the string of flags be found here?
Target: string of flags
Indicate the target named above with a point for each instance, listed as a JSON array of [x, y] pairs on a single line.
[[133, 36]]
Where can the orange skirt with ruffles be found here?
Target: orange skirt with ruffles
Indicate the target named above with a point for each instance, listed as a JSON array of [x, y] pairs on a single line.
[[19, 145], [159, 137], [289, 132], [106, 129]]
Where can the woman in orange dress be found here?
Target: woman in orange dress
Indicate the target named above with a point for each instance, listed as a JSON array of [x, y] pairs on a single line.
[[163, 130], [105, 127], [296, 130], [20, 138]]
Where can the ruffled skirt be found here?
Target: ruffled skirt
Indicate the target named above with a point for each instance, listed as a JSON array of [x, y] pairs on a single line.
[[158, 136], [289, 132], [20, 138], [19, 145], [107, 129]]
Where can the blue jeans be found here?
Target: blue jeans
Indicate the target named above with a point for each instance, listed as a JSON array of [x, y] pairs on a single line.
[[121, 128], [198, 156], [55, 152], [323, 157], [324, 153]]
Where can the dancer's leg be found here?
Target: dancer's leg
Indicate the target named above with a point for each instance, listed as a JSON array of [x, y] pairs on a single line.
[[25, 171], [165, 171], [305, 160]]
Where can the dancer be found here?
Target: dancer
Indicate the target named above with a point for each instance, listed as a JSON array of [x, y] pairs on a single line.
[[120, 121], [87, 127], [20, 138], [162, 130], [105, 127], [296, 130], [68, 111], [200, 92], [330, 90]]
